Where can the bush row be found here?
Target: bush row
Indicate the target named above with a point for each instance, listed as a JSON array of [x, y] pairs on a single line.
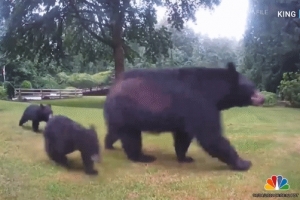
[[62, 81], [288, 90]]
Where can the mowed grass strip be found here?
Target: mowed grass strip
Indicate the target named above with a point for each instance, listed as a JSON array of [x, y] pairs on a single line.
[[269, 137], [82, 102]]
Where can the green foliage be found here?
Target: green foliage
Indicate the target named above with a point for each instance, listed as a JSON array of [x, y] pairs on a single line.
[[272, 43], [102, 78], [84, 80], [62, 78], [3, 93], [48, 82], [289, 88], [81, 81], [26, 84], [270, 98], [10, 90], [21, 70], [70, 88]]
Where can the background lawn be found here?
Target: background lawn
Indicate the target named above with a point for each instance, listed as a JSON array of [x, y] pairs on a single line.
[[267, 136]]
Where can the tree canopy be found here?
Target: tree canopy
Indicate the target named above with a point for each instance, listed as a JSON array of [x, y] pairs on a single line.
[[56, 29]]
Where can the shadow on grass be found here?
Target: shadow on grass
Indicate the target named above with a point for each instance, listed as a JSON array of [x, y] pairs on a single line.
[[29, 128], [75, 165], [169, 161]]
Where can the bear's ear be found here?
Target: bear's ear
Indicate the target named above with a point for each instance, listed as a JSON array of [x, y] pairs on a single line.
[[231, 67], [41, 105], [49, 105], [92, 127], [233, 74]]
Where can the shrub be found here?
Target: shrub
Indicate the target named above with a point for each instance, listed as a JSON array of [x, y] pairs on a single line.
[[81, 80], [3, 93], [62, 78], [48, 82], [102, 78], [270, 98], [26, 84], [289, 88]]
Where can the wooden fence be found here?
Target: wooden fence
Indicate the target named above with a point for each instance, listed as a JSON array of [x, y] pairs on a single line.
[[38, 94], [96, 91]]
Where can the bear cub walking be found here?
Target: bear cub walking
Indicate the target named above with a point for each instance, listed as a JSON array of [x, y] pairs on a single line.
[[63, 136], [36, 114]]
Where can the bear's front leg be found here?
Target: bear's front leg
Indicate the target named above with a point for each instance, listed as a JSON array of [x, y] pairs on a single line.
[[209, 136], [221, 148], [35, 126], [88, 164]]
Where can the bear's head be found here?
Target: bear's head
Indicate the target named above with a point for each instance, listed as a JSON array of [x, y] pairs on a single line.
[[93, 144], [243, 91], [45, 112]]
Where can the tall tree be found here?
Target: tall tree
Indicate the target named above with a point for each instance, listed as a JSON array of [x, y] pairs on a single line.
[[271, 43], [111, 23]]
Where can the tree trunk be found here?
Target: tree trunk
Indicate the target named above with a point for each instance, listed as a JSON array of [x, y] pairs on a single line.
[[117, 32], [119, 60]]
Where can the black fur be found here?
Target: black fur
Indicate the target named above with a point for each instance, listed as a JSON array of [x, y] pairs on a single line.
[[198, 95], [63, 136], [36, 114]]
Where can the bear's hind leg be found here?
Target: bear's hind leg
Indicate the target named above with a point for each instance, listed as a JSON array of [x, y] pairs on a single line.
[[132, 145], [35, 125], [110, 139], [59, 158], [22, 120], [182, 141], [88, 164]]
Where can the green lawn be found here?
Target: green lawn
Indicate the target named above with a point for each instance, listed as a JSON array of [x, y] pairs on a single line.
[[84, 102], [268, 136]]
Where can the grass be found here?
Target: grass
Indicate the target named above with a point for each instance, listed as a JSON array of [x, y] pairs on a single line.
[[269, 137], [84, 102]]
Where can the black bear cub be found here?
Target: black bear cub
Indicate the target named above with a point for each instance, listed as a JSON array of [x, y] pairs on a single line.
[[184, 101], [63, 136], [36, 114]]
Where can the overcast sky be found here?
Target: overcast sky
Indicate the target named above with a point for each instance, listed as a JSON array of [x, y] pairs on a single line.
[[227, 20]]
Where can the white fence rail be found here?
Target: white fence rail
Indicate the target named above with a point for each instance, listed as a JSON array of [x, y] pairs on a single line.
[[39, 94]]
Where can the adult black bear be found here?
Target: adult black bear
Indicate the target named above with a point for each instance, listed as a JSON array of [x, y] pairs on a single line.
[[185, 101], [63, 136], [36, 114]]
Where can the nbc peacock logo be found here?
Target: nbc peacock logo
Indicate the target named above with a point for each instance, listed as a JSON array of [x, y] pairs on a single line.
[[277, 183]]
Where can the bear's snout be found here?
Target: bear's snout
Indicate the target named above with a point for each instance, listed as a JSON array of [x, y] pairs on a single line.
[[257, 99]]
